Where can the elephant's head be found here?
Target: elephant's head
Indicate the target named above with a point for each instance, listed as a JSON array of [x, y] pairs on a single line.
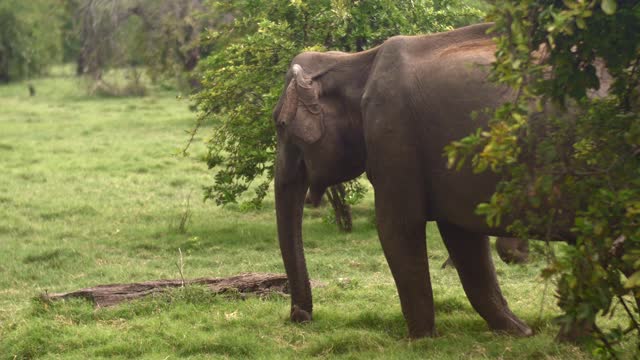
[[320, 143], [315, 118], [299, 110]]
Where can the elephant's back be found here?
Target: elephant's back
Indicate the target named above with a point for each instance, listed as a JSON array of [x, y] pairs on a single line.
[[440, 81]]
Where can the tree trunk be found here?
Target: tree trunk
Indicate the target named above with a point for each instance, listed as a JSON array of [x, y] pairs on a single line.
[[80, 64], [337, 197], [112, 294]]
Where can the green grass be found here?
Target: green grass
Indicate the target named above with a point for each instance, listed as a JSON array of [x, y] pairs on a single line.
[[91, 193]]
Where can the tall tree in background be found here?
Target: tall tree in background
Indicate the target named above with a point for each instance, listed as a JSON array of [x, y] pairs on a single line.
[[170, 40], [583, 162], [243, 80], [30, 37], [98, 23], [161, 35]]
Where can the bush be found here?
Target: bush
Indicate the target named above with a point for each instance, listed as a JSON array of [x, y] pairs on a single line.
[[242, 81], [577, 169]]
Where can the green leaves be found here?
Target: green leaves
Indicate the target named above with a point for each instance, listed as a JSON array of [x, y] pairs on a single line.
[[570, 154], [242, 81], [30, 37], [633, 282], [609, 6]]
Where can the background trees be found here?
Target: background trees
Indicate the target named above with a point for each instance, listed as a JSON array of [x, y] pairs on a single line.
[[30, 37], [163, 36]]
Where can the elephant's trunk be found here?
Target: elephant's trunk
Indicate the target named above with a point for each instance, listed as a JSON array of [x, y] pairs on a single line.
[[290, 190]]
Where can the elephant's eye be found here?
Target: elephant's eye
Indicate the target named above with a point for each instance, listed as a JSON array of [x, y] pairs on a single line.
[[280, 123]]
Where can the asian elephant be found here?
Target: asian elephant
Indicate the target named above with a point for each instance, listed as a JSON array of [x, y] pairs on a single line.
[[511, 250], [389, 112]]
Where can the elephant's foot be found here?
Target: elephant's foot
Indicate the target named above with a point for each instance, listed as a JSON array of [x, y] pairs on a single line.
[[511, 325], [471, 254], [419, 332], [513, 250], [422, 335], [299, 315]]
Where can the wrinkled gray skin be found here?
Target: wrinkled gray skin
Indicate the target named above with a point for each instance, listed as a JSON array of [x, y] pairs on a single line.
[[511, 250], [390, 111]]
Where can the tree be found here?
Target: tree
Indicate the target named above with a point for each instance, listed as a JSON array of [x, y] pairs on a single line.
[[580, 62], [242, 80], [30, 38], [170, 37], [161, 35], [98, 22]]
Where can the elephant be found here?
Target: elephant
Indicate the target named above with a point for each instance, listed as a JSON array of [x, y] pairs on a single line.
[[511, 250], [389, 112]]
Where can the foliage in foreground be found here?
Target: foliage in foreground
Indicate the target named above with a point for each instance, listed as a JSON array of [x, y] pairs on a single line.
[[242, 81], [583, 164]]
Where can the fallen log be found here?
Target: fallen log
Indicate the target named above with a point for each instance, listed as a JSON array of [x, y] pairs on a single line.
[[112, 294]]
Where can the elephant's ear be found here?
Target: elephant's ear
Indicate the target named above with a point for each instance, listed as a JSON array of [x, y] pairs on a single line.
[[301, 112]]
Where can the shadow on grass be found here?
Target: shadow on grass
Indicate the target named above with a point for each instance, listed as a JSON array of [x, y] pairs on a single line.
[[241, 234], [241, 346], [52, 258], [230, 237], [389, 323]]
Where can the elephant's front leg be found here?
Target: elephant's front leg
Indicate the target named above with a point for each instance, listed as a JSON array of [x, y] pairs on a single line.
[[402, 233], [472, 256]]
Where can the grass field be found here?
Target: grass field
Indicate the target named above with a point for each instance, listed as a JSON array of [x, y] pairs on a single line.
[[92, 193]]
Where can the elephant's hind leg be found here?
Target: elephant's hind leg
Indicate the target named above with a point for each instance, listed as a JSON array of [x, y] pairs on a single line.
[[471, 254]]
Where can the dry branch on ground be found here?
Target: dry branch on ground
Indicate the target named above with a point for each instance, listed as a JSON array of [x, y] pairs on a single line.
[[112, 294]]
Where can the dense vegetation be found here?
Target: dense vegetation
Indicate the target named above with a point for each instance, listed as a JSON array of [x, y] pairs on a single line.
[[581, 162], [243, 80], [158, 37]]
